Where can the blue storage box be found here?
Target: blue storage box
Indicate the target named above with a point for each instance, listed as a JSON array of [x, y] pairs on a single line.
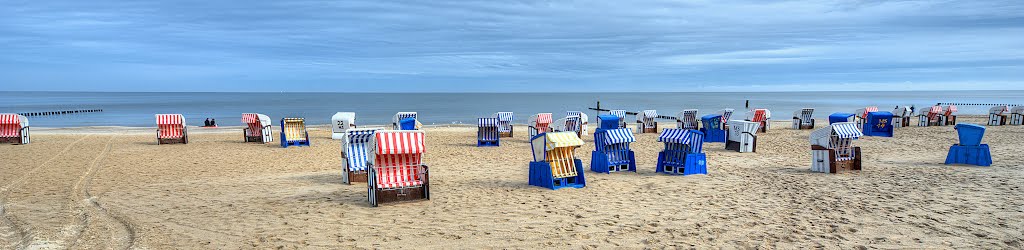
[[970, 134], [840, 117]]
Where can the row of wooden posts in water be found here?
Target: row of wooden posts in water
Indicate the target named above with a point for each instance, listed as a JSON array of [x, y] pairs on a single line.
[[62, 112]]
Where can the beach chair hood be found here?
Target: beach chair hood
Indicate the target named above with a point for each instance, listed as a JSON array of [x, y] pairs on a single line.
[[394, 142], [998, 110], [561, 140], [11, 123], [618, 135], [647, 115], [170, 119], [1018, 110], [608, 121], [863, 113], [354, 144], [691, 137], [544, 118], [842, 130], [343, 121], [487, 122]]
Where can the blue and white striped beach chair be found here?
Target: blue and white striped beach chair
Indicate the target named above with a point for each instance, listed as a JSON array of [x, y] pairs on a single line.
[[683, 153], [622, 117], [353, 154], [487, 132], [505, 123], [832, 149], [645, 121], [687, 119], [611, 150], [397, 120]]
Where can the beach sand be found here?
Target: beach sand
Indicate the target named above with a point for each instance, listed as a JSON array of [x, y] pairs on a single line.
[[114, 188]]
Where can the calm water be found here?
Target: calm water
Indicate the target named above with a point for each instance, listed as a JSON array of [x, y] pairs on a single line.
[[137, 109]]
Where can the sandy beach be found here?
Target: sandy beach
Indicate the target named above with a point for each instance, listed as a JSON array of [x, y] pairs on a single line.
[[114, 188]]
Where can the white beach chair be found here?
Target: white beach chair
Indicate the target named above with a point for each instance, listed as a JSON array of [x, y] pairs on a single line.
[[687, 119], [832, 150], [14, 129], [803, 119], [505, 123], [901, 116], [646, 122], [341, 122], [1017, 115], [997, 115], [742, 136]]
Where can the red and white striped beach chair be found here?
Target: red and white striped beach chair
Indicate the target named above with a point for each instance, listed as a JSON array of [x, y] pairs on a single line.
[[396, 172], [540, 123], [930, 117], [257, 128], [760, 116], [949, 116], [14, 129], [170, 129], [861, 115]]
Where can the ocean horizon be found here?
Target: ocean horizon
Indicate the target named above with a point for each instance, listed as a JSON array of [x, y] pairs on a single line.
[[136, 109]]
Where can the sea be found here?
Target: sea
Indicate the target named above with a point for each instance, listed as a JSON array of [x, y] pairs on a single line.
[[136, 109]]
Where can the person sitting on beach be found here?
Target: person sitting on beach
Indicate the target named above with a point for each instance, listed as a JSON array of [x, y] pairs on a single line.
[[206, 123], [213, 122]]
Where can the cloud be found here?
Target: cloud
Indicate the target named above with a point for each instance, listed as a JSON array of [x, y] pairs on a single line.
[[452, 45]]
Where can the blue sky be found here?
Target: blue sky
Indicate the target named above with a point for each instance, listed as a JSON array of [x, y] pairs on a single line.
[[492, 46]]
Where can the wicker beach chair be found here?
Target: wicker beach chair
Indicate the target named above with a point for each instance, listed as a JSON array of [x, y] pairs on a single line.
[[170, 129], [949, 116], [803, 119], [14, 129], [554, 164], [742, 136], [611, 150], [646, 122], [293, 132], [397, 121], [396, 172], [832, 149], [340, 122], [622, 117], [762, 117], [683, 153], [539, 124], [901, 116], [997, 115], [354, 159], [687, 119], [713, 129], [930, 118], [505, 123], [862, 115], [257, 128], [487, 134], [1017, 116], [879, 123]]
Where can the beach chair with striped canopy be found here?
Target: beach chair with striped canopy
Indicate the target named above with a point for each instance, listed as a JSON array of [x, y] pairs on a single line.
[[341, 122], [683, 153], [929, 118], [949, 116], [1017, 115], [970, 150], [878, 124], [487, 132], [554, 164], [997, 115], [611, 150], [713, 129], [726, 115], [293, 132], [760, 116], [396, 172], [862, 115], [571, 123], [742, 136], [257, 128], [901, 116], [622, 117], [803, 119], [539, 124], [832, 149], [646, 122], [354, 154], [687, 119], [505, 123], [170, 129], [401, 121], [14, 129]]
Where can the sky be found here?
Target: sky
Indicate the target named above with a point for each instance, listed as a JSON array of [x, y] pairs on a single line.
[[520, 46]]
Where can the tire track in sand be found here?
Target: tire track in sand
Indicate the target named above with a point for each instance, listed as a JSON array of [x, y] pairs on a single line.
[[120, 229], [13, 234]]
